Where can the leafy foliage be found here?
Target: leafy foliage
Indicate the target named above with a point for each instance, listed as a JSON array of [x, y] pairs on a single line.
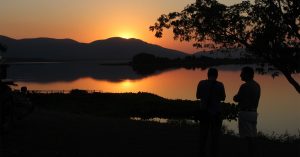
[[268, 29]]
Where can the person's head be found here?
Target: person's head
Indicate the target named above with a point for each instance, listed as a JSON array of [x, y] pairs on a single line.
[[212, 74], [247, 74]]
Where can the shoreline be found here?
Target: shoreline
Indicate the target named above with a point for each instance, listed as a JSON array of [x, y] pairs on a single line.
[[127, 105]]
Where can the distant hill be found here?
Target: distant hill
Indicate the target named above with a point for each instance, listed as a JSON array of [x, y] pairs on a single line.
[[67, 49]]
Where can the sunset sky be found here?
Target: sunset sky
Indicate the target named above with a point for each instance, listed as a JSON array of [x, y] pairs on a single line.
[[89, 20]]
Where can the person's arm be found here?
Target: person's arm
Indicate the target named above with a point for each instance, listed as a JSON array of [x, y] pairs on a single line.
[[238, 96], [223, 95]]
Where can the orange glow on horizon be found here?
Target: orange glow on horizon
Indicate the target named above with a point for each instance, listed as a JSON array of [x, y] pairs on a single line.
[[99, 21], [127, 35], [126, 84], [93, 20]]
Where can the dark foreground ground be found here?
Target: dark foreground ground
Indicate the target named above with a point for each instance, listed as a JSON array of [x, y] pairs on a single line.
[[57, 134]]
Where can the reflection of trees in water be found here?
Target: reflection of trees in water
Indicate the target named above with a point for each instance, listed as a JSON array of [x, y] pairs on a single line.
[[147, 64], [66, 72]]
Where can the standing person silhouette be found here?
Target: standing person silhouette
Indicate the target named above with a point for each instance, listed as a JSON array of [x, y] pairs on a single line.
[[248, 98], [210, 92]]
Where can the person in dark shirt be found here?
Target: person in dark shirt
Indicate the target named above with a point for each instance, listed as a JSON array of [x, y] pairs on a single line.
[[210, 92], [248, 99]]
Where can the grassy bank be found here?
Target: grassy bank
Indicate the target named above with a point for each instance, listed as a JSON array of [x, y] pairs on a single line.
[[97, 124], [142, 105]]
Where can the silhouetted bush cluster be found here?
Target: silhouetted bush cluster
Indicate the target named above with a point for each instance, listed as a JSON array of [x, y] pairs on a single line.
[[144, 105], [78, 92]]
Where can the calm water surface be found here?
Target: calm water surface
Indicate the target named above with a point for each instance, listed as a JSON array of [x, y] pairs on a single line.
[[279, 107]]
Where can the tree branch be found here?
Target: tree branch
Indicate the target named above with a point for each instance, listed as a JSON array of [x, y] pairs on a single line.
[[291, 80]]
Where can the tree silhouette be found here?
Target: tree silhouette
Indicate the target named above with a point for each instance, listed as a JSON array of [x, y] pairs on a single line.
[[267, 29]]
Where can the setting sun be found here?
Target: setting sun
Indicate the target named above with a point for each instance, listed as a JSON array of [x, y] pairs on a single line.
[[126, 84], [127, 35]]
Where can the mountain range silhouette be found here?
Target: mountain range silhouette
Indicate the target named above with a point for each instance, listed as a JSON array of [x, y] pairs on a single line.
[[115, 48]]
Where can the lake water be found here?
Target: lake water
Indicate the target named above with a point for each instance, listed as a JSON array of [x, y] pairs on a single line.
[[279, 107]]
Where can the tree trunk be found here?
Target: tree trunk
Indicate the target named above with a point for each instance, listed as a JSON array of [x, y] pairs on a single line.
[[291, 80], [284, 71]]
